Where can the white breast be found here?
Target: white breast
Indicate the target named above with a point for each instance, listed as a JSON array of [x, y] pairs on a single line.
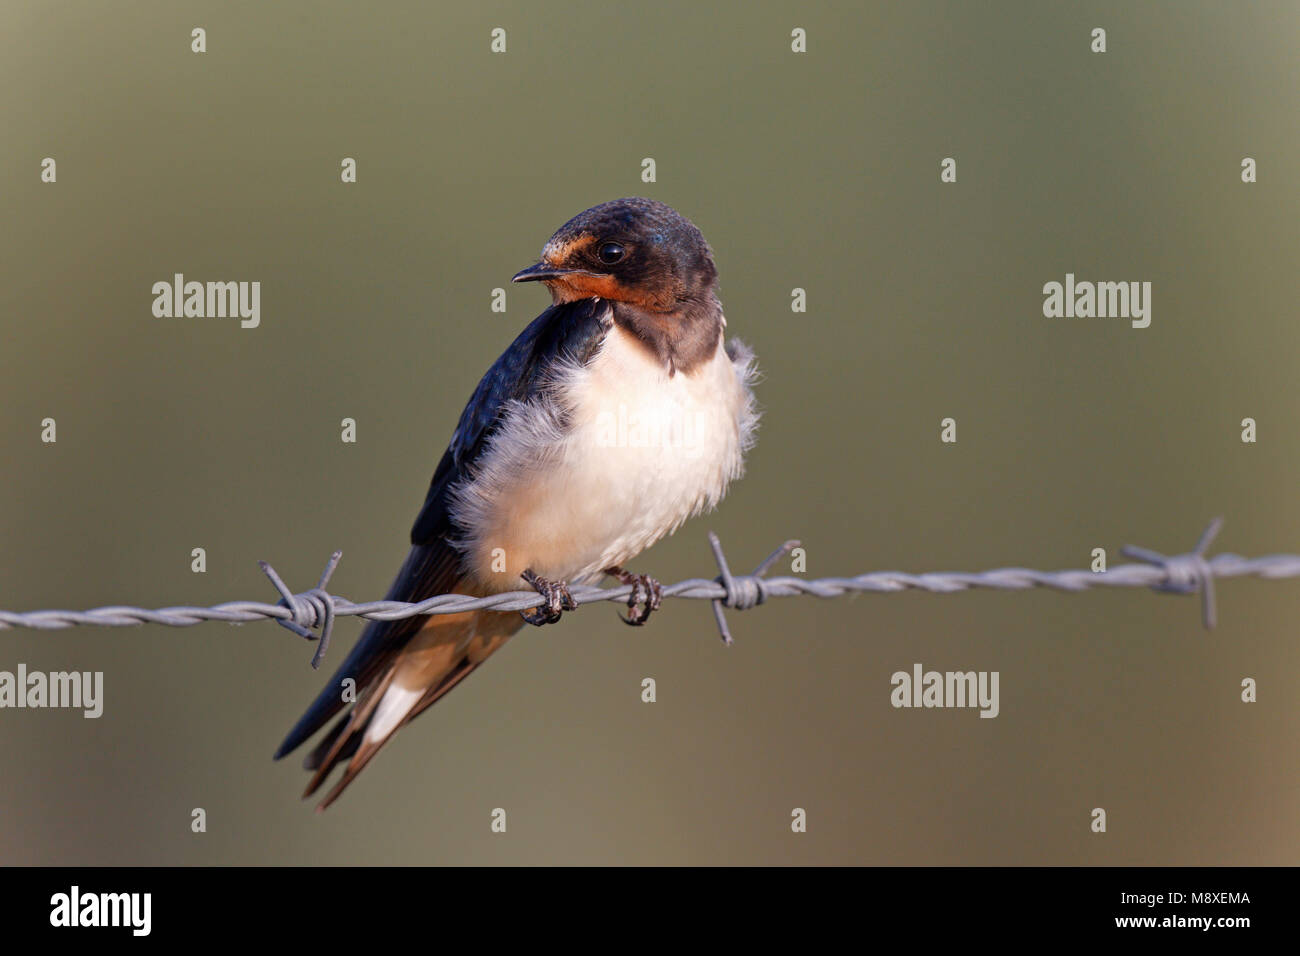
[[619, 456]]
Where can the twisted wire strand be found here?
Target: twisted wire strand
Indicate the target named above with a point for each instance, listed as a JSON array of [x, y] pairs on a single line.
[[304, 612]]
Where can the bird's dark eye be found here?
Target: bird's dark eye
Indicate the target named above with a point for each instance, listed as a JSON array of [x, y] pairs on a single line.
[[610, 252]]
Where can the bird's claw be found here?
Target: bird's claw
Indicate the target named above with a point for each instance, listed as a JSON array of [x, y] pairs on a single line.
[[647, 594], [558, 599]]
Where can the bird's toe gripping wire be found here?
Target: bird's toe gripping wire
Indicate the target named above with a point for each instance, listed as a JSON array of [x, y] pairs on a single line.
[[646, 597], [308, 609], [745, 591], [556, 593]]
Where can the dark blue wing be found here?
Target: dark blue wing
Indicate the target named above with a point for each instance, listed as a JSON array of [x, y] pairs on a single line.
[[568, 332]]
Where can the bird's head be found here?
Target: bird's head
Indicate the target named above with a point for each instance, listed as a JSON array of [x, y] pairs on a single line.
[[637, 251]]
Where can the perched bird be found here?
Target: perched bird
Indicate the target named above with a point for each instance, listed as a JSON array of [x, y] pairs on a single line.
[[616, 415]]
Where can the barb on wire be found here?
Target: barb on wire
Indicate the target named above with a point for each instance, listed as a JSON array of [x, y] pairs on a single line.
[[742, 593], [1188, 573], [308, 607], [305, 612]]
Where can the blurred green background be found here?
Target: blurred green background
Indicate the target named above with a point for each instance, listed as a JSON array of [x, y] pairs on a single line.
[[818, 171]]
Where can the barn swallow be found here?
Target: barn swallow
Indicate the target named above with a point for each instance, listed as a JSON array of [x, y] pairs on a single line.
[[618, 413]]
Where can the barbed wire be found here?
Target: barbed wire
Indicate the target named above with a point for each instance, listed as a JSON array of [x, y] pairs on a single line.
[[304, 612]]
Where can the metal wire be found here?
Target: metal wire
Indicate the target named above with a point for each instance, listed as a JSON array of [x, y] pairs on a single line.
[[1188, 573]]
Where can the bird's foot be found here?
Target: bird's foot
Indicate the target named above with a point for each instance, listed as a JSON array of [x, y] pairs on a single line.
[[647, 593], [558, 599]]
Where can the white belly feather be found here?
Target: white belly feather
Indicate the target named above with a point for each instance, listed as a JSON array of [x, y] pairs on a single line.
[[620, 456]]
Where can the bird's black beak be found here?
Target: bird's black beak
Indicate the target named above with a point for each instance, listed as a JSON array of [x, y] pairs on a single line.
[[539, 272]]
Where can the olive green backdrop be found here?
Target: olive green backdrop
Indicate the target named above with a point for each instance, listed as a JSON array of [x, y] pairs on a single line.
[[818, 171]]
